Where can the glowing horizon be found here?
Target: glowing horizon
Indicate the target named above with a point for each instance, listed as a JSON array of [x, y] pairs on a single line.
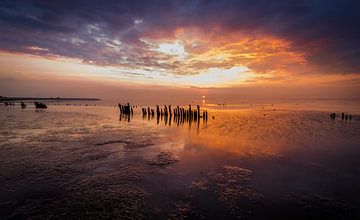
[[175, 48]]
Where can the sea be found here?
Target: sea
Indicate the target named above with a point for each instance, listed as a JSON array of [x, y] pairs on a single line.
[[249, 159]]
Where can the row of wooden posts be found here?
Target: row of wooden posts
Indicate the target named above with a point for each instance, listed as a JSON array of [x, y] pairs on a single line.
[[343, 116], [178, 112], [126, 109]]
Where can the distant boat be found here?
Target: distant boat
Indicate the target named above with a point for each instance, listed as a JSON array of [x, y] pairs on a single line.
[[40, 105], [23, 105]]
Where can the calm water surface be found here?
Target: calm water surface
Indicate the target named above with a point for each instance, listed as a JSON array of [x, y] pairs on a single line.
[[248, 161]]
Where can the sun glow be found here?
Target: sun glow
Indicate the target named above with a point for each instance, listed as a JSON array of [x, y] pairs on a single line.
[[217, 77]]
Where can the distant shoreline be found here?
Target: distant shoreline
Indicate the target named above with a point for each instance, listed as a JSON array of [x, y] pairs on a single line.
[[5, 99]]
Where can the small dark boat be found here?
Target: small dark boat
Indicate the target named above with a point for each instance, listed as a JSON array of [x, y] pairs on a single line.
[[23, 105], [40, 105]]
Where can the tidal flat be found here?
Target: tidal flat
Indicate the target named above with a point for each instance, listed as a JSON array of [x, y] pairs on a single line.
[[82, 162]]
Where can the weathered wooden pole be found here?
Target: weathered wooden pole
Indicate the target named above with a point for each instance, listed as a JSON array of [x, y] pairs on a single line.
[[198, 111], [120, 107], [165, 111], [157, 111], [128, 108]]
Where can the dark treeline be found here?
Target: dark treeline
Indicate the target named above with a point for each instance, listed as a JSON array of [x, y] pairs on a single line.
[[23, 105], [7, 99]]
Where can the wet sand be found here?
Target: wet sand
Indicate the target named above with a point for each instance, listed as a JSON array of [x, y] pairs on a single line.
[[83, 163]]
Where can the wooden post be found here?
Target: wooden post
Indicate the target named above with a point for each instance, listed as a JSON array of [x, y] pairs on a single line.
[[198, 109], [157, 111], [165, 111], [120, 107]]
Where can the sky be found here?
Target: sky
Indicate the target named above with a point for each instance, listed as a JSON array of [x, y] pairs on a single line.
[[139, 48]]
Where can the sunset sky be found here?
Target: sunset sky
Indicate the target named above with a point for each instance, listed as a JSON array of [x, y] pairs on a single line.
[[242, 49]]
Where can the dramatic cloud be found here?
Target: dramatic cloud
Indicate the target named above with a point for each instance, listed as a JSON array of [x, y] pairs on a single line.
[[190, 37]]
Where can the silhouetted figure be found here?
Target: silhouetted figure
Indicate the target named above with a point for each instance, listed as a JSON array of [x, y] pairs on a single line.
[[333, 116], [350, 117], [342, 116], [23, 105], [40, 105], [346, 117]]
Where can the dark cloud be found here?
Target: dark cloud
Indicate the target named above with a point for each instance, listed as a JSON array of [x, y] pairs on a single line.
[[107, 32]]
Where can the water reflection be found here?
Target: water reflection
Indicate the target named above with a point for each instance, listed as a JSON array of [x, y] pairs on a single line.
[[243, 160], [167, 116], [38, 110], [177, 120], [169, 120]]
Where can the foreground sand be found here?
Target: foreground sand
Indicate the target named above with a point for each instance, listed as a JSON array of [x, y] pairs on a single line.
[[82, 162]]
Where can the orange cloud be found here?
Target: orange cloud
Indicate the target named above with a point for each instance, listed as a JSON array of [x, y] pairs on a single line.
[[200, 51]]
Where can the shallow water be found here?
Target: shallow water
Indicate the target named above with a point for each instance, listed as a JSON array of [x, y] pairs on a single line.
[[247, 161]]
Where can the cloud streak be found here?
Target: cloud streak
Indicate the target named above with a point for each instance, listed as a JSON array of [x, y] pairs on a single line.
[[189, 37]]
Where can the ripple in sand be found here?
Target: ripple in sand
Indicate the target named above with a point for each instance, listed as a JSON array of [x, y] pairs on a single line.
[[184, 210], [232, 187], [320, 204], [121, 202], [200, 184], [127, 144], [164, 159]]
